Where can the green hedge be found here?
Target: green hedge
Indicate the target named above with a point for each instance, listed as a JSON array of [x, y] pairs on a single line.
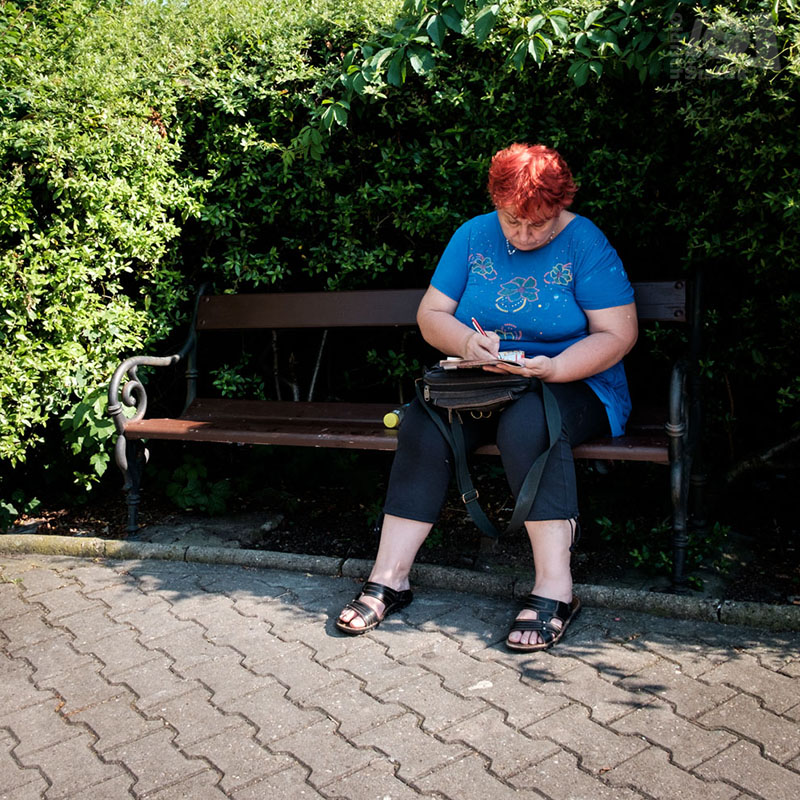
[[149, 146]]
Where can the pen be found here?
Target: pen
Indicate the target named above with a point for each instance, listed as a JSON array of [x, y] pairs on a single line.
[[477, 326]]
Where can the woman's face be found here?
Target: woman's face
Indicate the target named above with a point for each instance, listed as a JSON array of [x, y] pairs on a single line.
[[525, 234]]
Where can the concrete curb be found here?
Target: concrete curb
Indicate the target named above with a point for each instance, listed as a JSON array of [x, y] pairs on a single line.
[[755, 615]]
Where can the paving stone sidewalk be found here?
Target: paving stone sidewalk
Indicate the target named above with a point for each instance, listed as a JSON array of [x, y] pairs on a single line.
[[161, 679]]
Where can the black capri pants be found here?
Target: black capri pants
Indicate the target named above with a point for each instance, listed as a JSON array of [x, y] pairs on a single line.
[[422, 465]]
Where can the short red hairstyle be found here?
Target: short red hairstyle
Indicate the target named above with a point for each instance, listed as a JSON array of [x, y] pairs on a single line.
[[534, 180]]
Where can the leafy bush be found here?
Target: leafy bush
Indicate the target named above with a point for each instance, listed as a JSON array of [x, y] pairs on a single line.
[[146, 146]]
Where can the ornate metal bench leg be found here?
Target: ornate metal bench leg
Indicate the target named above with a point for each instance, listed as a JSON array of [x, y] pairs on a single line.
[[127, 457]]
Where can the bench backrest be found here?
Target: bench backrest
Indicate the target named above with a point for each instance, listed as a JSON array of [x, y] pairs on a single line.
[[664, 301]]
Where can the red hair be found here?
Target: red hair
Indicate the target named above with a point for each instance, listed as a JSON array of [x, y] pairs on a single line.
[[533, 180]]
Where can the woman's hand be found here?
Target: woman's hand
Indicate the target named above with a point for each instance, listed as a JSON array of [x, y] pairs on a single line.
[[540, 367], [482, 347]]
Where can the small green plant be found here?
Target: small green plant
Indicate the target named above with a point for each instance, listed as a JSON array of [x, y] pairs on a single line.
[[191, 489], [236, 380], [397, 366], [87, 430], [17, 506]]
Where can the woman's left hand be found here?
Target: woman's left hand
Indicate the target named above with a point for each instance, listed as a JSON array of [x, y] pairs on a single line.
[[541, 367]]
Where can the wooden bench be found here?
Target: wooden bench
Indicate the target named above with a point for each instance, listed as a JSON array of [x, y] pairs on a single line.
[[664, 436]]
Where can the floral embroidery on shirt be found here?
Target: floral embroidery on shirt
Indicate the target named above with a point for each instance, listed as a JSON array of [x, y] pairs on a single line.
[[514, 295], [482, 265], [509, 331], [561, 274]]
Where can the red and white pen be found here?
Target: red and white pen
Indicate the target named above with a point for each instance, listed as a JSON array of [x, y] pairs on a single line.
[[477, 326]]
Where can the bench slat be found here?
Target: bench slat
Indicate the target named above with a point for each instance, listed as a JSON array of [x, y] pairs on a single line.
[[384, 308], [343, 425], [664, 301]]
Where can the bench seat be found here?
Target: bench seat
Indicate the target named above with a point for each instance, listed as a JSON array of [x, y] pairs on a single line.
[[355, 426]]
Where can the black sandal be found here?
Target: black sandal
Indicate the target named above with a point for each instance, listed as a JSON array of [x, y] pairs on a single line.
[[392, 599], [547, 610]]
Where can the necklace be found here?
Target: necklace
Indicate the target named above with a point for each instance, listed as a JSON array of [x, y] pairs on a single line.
[[510, 249]]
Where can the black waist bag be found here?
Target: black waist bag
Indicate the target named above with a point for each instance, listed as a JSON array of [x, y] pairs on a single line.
[[479, 394], [471, 391]]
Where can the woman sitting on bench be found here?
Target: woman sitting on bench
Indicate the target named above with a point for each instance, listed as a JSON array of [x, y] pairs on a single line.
[[540, 278]]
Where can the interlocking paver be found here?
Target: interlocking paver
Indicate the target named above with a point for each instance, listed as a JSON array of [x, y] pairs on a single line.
[[378, 780], [71, 766], [188, 647], [90, 626], [202, 786], [17, 690], [155, 622], [153, 682], [41, 579], [194, 718], [153, 679], [520, 700], [294, 666], [289, 783], [52, 658], [460, 671], [379, 672], [65, 601], [605, 701], [600, 748], [328, 755], [508, 750], [682, 648], [237, 756], [743, 715], [349, 706], [411, 749], [270, 712], [743, 766], [470, 779], [26, 629], [155, 762], [224, 676], [17, 781], [436, 708], [119, 652], [38, 727], [688, 743], [778, 692], [115, 721], [560, 778], [651, 772], [475, 629], [689, 696]]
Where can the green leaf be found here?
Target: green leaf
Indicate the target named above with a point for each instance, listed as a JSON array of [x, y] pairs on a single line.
[[519, 52], [453, 19], [560, 26], [421, 60], [397, 69], [591, 17], [536, 22], [437, 29], [579, 72], [379, 59], [538, 48], [484, 22]]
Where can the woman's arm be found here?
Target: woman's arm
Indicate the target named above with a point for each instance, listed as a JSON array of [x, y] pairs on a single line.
[[444, 332], [612, 334]]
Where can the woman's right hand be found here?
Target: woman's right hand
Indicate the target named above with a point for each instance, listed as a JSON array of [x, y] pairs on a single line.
[[482, 347]]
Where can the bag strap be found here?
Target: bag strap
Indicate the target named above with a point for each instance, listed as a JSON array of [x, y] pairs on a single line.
[[454, 436]]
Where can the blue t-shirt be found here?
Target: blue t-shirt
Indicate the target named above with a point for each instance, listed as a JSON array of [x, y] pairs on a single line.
[[535, 300]]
